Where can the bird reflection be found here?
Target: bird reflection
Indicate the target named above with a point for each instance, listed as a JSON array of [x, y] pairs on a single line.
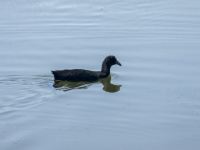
[[67, 85]]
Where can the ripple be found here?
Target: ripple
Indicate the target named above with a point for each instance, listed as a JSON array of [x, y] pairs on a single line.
[[22, 92]]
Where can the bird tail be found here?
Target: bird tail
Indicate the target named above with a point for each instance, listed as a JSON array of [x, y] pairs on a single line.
[[53, 72]]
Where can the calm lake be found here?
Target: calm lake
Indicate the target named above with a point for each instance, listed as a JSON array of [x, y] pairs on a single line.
[[151, 102]]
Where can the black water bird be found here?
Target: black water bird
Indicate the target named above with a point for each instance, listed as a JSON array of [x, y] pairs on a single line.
[[76, 75]]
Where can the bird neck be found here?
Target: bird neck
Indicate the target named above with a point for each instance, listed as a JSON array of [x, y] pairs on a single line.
[[105, 69]]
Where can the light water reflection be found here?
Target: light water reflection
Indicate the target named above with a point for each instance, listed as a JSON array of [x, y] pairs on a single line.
[[106, 82]]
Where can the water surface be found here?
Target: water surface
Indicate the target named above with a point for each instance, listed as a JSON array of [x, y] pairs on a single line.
[[155, 103]]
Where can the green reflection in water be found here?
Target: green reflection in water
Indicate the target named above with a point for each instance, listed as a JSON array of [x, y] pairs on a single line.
[[106, 82]]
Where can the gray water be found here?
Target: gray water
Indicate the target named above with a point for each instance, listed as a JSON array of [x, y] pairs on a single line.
[[155, 103]]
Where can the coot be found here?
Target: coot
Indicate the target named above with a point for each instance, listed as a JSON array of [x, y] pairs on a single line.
[[76, 75]]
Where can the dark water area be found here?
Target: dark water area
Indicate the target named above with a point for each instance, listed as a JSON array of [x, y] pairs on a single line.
[[151, 102]]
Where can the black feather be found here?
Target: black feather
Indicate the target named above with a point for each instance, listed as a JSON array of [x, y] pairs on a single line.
[[86, 75]]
